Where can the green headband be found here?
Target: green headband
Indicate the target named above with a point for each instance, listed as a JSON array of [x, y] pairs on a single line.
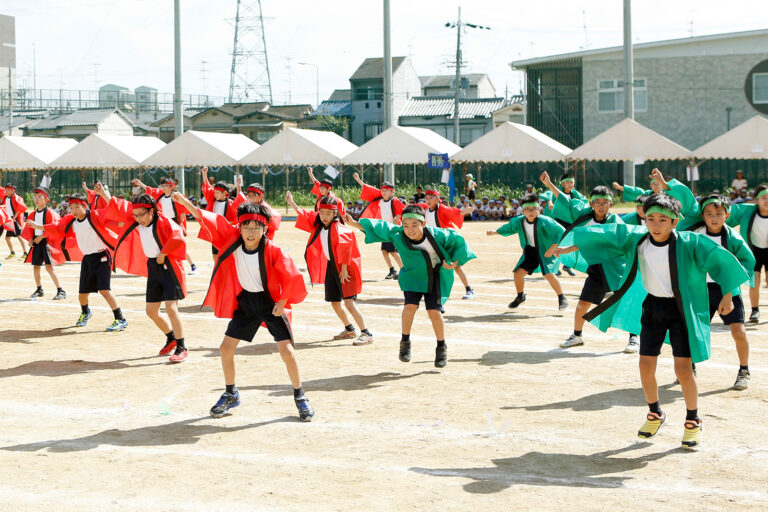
[[716, 201], [529, 205], [414, 215], [761, 193], [664, 211], [567, 179], [600, 196]]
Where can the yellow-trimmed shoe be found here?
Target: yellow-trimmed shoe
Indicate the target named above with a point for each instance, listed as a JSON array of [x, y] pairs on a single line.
[[652, 425], [692, 434]]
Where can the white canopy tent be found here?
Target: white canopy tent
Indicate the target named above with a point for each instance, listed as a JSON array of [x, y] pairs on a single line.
[[299, 147], [629, 140], [98, 151], [21, 153], [513, 142], [746, 141], [202, 148], [401, 145]]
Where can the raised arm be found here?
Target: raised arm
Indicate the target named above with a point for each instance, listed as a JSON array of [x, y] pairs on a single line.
[[181, 199], [138, 183], [548, 183], [358, 180]]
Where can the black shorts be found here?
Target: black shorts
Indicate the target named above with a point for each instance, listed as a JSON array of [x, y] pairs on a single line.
[[95, 273], [761, 259], [12, 233], [252, 310], [530, 259], [471, 195], [432, 299], [41, 254], [388, 246], [595, 287], [333, 291], [715, 296], [660, 314], [162, 283]]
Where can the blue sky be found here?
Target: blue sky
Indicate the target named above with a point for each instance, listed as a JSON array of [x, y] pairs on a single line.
[[83, 43]]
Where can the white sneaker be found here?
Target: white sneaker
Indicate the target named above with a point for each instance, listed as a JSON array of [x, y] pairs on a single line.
[[633, 346], [572, 341], [469, 295], [363, 339]]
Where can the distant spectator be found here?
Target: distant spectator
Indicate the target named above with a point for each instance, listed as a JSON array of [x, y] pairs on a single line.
[[734, 196], [419, 193], [529, 189], [739, 183], [479, 213], [471, 187], [745, 195], [358, 210]]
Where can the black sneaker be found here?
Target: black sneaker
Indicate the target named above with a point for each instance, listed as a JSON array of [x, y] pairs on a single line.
[[405, 351], [392, 274], [60, 295], [518, 300], [441, 356], [754, 318], [569, 271], [37, 293], [562, 303], [306, 412], [225, 403]]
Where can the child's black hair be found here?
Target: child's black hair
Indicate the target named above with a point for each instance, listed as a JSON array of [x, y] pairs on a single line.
[[336, 215], [144, 199], [258, 209], [10, 185], [530, 198], [413, 208], [664, 201], [565, 176], [78, 195], [759, 189], [388, 184], [601, 190], [326, 182], [45, 189], [167, 181], [724, 202], [639, 200], [221, 184]]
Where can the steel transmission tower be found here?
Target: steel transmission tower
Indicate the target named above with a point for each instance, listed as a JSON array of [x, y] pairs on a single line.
[[249, 78]]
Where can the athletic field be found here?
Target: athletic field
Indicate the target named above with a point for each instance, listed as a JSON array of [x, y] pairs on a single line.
[[96, 421]]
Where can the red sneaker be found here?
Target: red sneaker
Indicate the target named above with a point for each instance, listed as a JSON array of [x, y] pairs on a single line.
[[177, 358], [168, 348]]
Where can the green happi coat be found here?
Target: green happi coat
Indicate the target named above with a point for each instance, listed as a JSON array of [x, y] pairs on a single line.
[[630, 193], [743, 215], [633, 219], [736, 245], [416, 275], [546, 231], [692, 257], [576, 214]]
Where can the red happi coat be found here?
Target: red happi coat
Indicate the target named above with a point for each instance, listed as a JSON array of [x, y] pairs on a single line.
[[95, 201], [179, 210], [50, 216], [279, 275], [230, 212], [343, 251], [446, 216], [5, 220], [63, 236], [373, 210], [316, 191], [17, 205], [274, 220], [129, 253]]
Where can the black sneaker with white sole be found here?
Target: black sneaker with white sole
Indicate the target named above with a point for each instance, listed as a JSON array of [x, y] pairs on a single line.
[[37, 293], [405, 351], [441, 356], [306, 412], [754, 318], [226, 402], [60, 295], [562, 303], [518, 300]]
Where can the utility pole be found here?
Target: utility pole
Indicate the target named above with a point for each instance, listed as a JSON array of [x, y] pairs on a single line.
[[178, 116], [629, 82], [10, 103], [389, 115]]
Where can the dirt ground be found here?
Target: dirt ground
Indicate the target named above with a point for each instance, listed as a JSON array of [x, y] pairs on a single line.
[[97, 421]]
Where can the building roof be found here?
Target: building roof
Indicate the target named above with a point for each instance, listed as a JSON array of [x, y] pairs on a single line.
[[444, 81], [512, 142], [340, 95], [746, 141], [401, 145], [629, 140], [293, 112], [719, 39], [373, 68], [437, 106], [295, 146], [341, 108], [113, 87], [82, 117]]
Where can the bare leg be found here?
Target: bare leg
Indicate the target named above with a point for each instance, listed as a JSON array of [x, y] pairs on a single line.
[[110, 298], [648, 377], [409, 311], [387, 259], [578, 317], [397, 259], [739, 334], [462, 276], [554, 282], [340, 313], [436, 317], [83, 298], [189, 259], [291, 364], [36, 273], [520, 280], [153, 312], [172, 309], [10, 244], [23, 245], [684, 372], [754, 291], [352, 308], [54, 277], [227, 352]]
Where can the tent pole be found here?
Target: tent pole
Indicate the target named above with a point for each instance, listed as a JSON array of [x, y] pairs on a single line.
[[381, 173], [287, 186]]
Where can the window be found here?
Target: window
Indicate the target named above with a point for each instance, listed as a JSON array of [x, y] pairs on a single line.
[[470, 134], [760, 88], [262, 136], [372, 130], [610, 95]]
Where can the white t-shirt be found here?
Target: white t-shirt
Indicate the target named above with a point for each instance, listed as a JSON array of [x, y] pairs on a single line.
[[529, 234], [425, 246], [759, 234], [431, 218], [220, 207], [166, 206], [248, 271], [148, 242], [87, 239], [715, 238], [654, 269], [386, 210], [39, 219], [8, 207], [593, 222], [739, 184], [324, 239]]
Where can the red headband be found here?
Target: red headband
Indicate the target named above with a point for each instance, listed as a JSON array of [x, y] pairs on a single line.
[[74, 200], [325, 185], [135, 206], [328, 206], [252, 216], [387, 187], [258, 190], [42, 192], [432, 193], [10, 187], [169, 182], [222, 189]]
